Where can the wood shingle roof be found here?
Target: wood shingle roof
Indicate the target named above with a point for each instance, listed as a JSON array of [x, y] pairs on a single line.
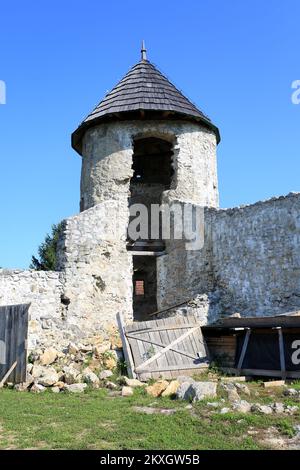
[[143, 89]]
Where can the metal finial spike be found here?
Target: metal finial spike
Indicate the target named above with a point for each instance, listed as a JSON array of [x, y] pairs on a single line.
[[144, 51]]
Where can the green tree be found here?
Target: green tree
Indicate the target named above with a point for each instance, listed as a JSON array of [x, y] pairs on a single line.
[[46, 260]]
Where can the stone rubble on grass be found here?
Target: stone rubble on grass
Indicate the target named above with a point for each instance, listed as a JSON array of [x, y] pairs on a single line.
[[241, 406], [278, 408], [196, 391], [73, 349], [37, 388], [292, 392], [171, 389], [22, 387], [148, 410], [45, 376], [127, 391], [110, 385], [243, 388], [105, 374], [48, 356], [90, 378], [133, 382], [181, 392], [213, 404], [76, 388], [91, 363], [157, 388], [233, 395], [71, 375], [224, 410], [185, 379]]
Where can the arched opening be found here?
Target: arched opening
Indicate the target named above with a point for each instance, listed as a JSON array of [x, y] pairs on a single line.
[[152, 165], [152, 175]]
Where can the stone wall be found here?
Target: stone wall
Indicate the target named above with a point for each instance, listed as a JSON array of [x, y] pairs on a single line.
[[250, 261], [43, 291], [107, 161], [97, 267], [256, 256]]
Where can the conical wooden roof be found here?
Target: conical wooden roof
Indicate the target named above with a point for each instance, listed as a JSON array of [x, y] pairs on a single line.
[[144, 89]]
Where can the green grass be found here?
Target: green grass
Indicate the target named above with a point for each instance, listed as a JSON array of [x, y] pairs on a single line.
[[94, 420]]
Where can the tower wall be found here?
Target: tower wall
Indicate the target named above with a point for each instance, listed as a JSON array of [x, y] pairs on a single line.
[[107, 161]]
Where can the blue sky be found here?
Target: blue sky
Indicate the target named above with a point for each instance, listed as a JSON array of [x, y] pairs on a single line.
[[235, 59]]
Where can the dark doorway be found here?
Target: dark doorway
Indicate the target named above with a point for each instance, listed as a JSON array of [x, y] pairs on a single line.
[[152, 167], [144, 286]]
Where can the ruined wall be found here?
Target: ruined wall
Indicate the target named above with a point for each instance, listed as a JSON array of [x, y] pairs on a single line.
[[97, 267], [43, 290], [107, 161], [250, 262], [256, 256]]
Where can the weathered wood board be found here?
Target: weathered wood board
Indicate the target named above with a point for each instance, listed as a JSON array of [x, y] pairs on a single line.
[[13, 341], [166, 348]]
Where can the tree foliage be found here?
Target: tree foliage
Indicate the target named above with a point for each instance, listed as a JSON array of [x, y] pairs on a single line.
[[47, 250]]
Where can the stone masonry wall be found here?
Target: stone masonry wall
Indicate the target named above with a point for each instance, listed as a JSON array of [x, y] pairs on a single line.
[[97, 268], [43, 290], [256, 256], [250, 262], [107, 161]]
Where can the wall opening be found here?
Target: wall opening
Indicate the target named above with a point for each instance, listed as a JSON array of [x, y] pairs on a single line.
[[152, 175], [144, 287]]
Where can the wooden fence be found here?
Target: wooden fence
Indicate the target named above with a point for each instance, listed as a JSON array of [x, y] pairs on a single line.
[[164, 348], [13, 342]]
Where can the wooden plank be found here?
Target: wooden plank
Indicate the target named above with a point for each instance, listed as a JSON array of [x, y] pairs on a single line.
[[144, 350], [194, 342], [179, 358], [163, 328], [170, 336], [3, 364], [281, 353], [262, 372], [166, 309], [165, 359], [161, 345], [274, 383], [178, 368], [10, 370], [243, 352], [126, 347], [14, 330], [163, 351]]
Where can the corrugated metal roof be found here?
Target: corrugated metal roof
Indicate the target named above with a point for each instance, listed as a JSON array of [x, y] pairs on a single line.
[[143, 88]]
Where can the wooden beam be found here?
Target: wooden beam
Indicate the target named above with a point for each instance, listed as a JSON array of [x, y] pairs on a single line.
[[128, 335], [177, 368], [167, 348], [166, 309], [262, 372], [274, 383], [126, 347], [243, 352], [8, 374], [281, 352], [164, 328]]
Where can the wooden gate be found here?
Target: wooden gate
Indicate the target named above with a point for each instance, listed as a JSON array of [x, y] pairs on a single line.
[[13, 341], [163, 348]]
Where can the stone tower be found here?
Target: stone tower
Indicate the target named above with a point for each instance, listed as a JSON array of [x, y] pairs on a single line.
[[146, 143]]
